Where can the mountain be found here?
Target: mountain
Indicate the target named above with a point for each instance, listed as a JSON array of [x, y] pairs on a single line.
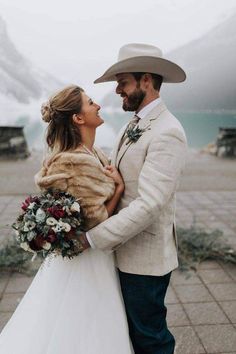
[[210, 66], [20, 81]]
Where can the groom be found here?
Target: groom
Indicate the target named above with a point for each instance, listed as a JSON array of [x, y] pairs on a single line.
[[149, 154]]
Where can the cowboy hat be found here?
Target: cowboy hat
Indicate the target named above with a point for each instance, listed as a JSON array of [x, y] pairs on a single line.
[[137, 57]]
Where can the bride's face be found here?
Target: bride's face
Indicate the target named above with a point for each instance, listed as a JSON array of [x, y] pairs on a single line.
[[90, 112]]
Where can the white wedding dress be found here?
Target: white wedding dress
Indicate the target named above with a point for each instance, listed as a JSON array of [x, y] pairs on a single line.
[[72, 307]]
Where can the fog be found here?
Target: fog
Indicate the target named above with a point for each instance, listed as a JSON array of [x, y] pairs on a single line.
[[77, 41]]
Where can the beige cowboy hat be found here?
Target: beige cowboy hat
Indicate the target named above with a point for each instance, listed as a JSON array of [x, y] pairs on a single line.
[[138, 57]]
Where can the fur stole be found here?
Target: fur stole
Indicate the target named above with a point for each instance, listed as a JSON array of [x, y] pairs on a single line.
[[81, 175]]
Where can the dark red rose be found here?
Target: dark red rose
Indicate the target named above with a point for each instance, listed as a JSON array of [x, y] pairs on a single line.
[[26, 203], [37, 243], [35, 199], [24, 206], [56, 212], [51, 236], [29, 200]]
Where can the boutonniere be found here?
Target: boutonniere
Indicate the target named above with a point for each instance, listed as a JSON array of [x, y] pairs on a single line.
[[135, 133]]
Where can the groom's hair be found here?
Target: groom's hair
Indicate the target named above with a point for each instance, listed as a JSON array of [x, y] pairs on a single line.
[[156, 79]]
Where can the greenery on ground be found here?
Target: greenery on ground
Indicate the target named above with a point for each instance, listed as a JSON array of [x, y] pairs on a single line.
[[195, 245], [15, 259]]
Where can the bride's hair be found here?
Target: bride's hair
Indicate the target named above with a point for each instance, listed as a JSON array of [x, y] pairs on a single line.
[[62, 133]]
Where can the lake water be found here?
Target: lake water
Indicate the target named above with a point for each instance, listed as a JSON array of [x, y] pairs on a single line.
[[201, 128]]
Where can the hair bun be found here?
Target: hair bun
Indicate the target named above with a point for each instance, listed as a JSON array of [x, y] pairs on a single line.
[[46, 112]]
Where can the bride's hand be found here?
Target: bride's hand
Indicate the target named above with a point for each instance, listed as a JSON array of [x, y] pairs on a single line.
[[112, 203], [112, 172]]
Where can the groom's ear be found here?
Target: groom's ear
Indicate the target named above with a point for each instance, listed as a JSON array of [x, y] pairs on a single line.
[[146, 79], [78, 119]]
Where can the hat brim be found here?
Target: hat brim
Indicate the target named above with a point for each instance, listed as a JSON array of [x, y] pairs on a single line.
[[170, 71]]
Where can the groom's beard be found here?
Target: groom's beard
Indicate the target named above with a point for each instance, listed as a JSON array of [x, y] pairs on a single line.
[[133, 100]]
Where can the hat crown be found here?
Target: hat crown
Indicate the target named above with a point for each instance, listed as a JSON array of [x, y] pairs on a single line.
[[139, 57], [132, 50]]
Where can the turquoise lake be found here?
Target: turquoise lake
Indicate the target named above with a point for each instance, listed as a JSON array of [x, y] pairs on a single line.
[[201, 128]]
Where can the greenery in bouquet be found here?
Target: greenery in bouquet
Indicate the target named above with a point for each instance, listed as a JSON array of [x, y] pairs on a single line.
[[50, 223]]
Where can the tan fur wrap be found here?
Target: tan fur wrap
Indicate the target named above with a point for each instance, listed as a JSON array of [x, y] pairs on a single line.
[[81, 175]]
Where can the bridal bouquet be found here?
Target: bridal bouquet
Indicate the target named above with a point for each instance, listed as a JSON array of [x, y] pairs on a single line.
[[50, 223]]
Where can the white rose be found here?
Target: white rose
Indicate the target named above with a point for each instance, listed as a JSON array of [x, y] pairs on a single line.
[[47, 246], [29, 225], [65, 226], [57, 228], [67, 210], [25, 246], [75, 207], [51, 221]]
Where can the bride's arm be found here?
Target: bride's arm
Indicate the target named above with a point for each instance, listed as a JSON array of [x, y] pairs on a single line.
[[111, 204]]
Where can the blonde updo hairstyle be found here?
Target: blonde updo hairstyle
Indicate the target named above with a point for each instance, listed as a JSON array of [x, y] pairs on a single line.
[[62, 133]]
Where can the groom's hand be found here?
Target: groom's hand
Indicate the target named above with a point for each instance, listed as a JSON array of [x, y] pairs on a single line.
[[84, 242]]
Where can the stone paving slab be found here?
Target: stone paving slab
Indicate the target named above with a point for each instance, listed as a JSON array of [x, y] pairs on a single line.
[[4, 318], [193, 293], [182, 278], [230, 269], [209, 276], [176, 315], [205, 313], [171, 297], [229, 307], [223, 292], [187, 341], [9, 302], [18, 283], [217, 338]]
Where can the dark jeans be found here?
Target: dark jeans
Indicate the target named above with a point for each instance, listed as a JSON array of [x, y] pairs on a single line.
[[144, 302]]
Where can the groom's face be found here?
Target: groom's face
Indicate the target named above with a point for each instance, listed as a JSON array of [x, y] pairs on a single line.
[[131, 92]]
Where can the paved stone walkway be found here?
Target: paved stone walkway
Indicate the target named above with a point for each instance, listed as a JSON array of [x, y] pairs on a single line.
[[201, 306]]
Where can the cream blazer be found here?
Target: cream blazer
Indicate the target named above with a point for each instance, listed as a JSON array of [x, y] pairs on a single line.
[[142, 233]]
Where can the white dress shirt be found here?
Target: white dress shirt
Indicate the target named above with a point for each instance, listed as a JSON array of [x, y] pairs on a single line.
[[141, 114]]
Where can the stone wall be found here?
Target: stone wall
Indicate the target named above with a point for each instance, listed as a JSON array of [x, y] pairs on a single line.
[[13, 144], [226, 142]]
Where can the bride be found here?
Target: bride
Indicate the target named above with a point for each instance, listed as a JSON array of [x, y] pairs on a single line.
[[74, 306]]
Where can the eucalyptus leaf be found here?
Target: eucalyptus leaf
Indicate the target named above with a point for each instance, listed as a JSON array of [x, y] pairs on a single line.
[[31, 235], [40, 215]]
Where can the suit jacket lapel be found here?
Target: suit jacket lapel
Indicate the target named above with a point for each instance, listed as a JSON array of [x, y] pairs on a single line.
[[126, 144], [145, 124], [116, 146]]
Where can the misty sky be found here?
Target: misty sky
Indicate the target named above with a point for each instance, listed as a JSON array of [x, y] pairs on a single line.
[[77, 41]]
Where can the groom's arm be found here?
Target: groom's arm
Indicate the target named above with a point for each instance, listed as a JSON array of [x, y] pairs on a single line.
[[157, 182]]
